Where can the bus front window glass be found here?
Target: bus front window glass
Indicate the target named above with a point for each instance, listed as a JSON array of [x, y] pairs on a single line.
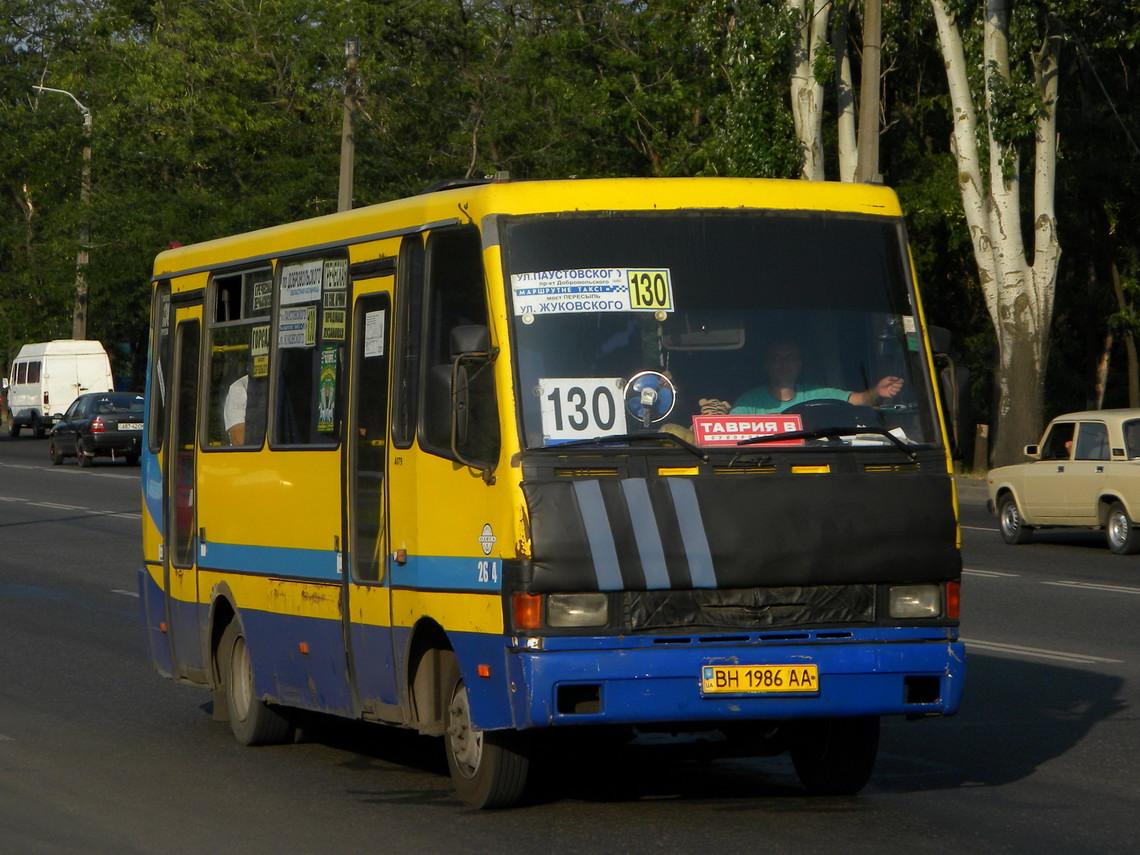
[[239, 360], [311, 321], [689, 323]]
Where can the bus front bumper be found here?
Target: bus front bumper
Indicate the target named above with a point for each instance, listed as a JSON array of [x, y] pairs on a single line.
[[877, 672]]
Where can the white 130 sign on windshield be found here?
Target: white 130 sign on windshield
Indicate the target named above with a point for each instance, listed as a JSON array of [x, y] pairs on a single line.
[[581, 407]]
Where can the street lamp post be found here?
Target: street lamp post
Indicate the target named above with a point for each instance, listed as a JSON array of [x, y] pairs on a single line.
[[83, 254], [347, 135]]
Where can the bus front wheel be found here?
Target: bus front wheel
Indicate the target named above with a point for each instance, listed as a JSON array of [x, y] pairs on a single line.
[[252, 721], [488, 768], [835, 756]]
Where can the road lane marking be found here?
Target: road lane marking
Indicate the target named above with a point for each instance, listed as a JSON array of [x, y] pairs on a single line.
[[1038, 652], [125, 593], [71, 471], [55, 506], [1092, 586], [969, 571], [975, 528]]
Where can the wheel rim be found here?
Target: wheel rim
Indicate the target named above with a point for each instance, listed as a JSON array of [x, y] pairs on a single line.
[[1118, 528], [1010, 521], [241, 679], [464, 740]]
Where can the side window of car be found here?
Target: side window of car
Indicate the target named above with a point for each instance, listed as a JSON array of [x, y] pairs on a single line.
[[1059, 442], [1132, 439], [1092, 441]]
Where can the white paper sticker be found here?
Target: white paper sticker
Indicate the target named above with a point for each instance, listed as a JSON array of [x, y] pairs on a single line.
[[301, 282], [374, 334], [581, 407]]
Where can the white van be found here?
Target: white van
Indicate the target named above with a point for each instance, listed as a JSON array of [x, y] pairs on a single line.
[[46, 377]]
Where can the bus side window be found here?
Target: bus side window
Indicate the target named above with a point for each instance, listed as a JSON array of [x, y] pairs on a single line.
[[409, 315], [456, 298], [311, 331], [239, 360]]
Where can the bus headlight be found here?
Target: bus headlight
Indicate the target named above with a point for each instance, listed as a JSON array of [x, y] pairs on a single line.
[[916, 601], [577, 609]]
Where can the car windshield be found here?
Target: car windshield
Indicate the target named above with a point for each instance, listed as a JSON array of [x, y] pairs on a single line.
[[715, 327]]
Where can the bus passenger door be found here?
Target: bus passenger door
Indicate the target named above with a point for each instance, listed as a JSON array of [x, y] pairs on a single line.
[[180, 541], [367, 594]]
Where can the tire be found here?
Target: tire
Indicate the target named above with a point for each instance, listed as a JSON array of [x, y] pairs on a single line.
[[835, 757], [84, 459], [13, 428], [54, 453], [1123, 537], [252, 721], [38, 429], [488, 768], [1013, 530]]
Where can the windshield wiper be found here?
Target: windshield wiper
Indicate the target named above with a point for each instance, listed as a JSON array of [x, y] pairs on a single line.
[[819, 433], [635, 437]]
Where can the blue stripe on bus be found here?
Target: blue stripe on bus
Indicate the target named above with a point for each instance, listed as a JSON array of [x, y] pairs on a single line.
[[646, 534], [433, 572], [599, 535], [271, 560], [693, 533]]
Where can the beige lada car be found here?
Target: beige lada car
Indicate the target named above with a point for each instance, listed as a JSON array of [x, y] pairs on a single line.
[[1085, 473]]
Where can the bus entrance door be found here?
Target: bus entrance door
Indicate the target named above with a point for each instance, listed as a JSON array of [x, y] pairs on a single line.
[[180, 548], [368, 610]]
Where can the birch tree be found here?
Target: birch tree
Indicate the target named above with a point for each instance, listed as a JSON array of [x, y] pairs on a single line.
[[993, 117], [821, 50]]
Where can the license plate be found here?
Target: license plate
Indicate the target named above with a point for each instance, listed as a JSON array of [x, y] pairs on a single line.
[[758, 679], [130, 426]]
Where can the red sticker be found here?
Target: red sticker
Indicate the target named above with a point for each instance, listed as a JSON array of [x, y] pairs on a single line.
[[717, 431]]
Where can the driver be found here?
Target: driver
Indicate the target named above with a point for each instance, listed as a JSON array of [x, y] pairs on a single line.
[[782, 363]]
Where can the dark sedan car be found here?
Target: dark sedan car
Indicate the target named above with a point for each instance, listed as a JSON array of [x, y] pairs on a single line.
[[99, 424]]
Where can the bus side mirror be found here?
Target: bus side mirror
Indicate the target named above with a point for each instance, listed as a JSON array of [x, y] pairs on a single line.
[[450, 396]]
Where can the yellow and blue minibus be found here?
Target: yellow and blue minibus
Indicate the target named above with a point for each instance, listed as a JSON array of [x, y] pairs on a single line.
[[510, 458]]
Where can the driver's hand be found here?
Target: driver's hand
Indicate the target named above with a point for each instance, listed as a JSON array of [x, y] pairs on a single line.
[[714, 407], [888, 387]]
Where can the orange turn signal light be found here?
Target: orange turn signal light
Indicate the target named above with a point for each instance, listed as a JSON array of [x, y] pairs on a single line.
[[527, 610], [953, 598]]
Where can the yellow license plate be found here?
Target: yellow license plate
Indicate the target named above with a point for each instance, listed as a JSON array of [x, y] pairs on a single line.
[[758, 679]]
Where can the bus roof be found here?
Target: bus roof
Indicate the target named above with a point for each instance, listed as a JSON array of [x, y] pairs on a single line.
[[473, 202]]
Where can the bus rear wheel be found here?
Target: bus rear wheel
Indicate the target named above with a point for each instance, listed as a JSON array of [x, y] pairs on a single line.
[[835, 756], [488, 768], [252, 721]]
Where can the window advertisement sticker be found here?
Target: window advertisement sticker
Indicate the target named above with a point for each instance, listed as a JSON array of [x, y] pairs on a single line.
[[600, 289], [326, 394], [374, 334], [259, 350], [301, 282], [720, 431], [335, 274], [580, 407], [297, 326]]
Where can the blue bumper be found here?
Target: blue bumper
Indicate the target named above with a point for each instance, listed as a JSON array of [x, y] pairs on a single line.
[[869, 672]]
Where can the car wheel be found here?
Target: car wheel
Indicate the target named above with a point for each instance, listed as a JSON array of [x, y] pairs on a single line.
[[252, 721], [84, 458], [488, 768], [13, 428], [1013, 529], [1123, 538], [54, 453], [834, 756], [38, 429]]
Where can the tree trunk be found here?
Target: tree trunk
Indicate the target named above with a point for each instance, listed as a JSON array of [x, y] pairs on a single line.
[[807, 92], [844, 93], [1129, 340], [1020, 399]]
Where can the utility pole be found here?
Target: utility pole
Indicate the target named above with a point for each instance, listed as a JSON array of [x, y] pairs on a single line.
[[347, 134], [868, 141], [83, 253]]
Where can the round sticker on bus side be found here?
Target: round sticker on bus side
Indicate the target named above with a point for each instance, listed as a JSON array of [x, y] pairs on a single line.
[[487, 539]]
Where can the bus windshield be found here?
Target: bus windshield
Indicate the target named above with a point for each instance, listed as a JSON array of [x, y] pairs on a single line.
[[717, 327]]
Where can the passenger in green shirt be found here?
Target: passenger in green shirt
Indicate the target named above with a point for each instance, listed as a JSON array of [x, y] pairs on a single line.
[[782, 362]]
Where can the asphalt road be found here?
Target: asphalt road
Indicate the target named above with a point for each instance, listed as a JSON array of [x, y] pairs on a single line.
[[100, 755]]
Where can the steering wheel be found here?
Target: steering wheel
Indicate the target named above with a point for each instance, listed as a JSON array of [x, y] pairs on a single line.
[[832, 412], [649, 397]]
